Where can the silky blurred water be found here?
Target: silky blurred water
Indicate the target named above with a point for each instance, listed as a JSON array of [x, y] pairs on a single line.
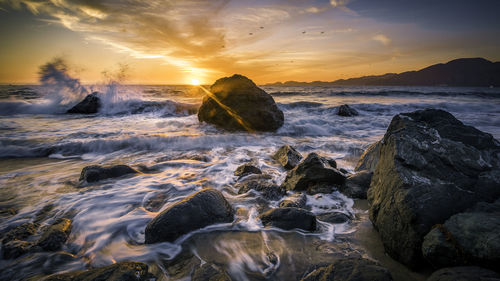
[[42, 152]]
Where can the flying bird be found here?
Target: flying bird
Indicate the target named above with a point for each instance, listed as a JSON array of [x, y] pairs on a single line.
[[303, 32], [250, 33]]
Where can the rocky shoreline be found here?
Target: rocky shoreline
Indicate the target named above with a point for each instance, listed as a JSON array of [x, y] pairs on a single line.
[[432, 185]]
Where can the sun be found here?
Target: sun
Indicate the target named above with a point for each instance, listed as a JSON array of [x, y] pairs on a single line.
[[195, 82]]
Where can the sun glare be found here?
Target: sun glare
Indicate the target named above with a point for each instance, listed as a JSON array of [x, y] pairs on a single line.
[[195, 82]]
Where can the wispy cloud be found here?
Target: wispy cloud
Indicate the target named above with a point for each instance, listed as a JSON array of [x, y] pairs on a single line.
[[382, 39]]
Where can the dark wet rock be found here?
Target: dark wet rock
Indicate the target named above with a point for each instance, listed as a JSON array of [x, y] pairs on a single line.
[[347, 111], [296, 200], [245, 106], [198, 210], [55, 235], [287, 156], [289, 218], [431, 167], [314, 174], [357, 185], [350, 269], [7, 212], [20, 232], [334, 217], [16, 248], [121, 271], [89, 105], [262, 184], [246, 169], [96, 173], [210, 272], [344, 171], [469, 238], [369, 158], [464, 273]]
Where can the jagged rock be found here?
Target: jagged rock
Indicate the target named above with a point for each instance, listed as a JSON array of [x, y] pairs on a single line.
[[236, 103], [357, 185], [431, 167], [314, 174], [334, 217], [347, 111], [469, 238], [350, 269], [296, 200], [121, 271], [369, 158], [198, 210], [20, 232], [464, 273], [287, 156], [89, 105], [96, 173], [246, 169], [209, 272], [262, 184], [289, 218], [56, 235]]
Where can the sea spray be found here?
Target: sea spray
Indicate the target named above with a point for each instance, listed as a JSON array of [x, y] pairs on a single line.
[[59, 86]]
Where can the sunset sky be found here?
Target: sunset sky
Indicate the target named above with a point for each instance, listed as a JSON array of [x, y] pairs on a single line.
[[174, 42]]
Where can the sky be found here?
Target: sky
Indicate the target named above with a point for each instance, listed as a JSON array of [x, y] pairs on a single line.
[[176, 42]]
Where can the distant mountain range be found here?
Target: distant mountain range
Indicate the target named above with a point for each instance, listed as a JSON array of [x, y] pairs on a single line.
[[465, 72]]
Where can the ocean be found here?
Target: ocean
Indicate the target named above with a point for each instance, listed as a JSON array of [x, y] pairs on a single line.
[[43, 150]]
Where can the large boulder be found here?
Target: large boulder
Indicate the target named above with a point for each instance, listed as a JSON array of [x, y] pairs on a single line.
[[347, 111], [121, 271], [287, 156], [356, 186], [89, 105], [350, 269], [369, 158], [198, 210], [96, 173], [210, 272], [236, 103], [467, 238], [464, 273], [431, 167], [314, 174], [289, 218]]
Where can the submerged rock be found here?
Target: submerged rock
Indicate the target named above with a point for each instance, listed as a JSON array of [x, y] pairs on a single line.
[[350, 269], [314, 174], [334, 217], [236, 103], [289, 218], [262, 184], [209, 272], [16, 248], [246, 169], [467, 238], [431, 167], [96, 173], [20, 232], [56, 235], [369, 158], [89, 105], [121, 271], [296, 200], [198, 210], [347, 111], [357, 185], [287, 156], [464, 273]]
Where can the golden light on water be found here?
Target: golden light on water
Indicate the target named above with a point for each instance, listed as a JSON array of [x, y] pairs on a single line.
[[195, 82]]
